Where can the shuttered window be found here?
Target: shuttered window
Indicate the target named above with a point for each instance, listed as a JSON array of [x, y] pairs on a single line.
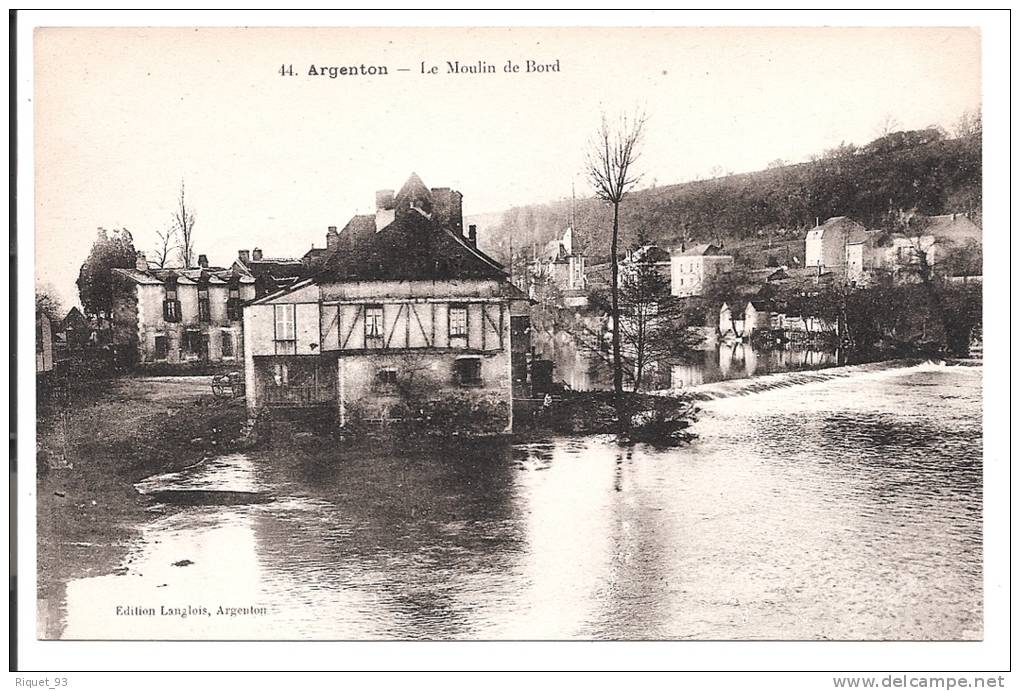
[[227, 344], [234, 301], [203, 303], [171, 305], [285, 329]]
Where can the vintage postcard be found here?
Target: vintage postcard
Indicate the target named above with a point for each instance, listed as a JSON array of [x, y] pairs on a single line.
[[509, 333]]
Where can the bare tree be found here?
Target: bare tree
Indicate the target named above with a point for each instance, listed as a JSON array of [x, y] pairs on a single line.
[[969, 124], [887, 125], [184, 221], [165, 244], [654, 325], [610, 158]]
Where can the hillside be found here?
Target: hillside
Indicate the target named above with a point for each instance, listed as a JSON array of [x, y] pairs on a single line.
[[903, 170]]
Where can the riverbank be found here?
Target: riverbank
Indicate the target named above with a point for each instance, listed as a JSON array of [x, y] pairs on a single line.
[[93, 443]]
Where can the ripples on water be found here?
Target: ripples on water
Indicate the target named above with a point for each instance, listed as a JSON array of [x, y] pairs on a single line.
[[848, 507]]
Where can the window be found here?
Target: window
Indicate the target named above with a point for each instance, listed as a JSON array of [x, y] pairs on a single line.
[[196, 344], [458, 325], [280, 373], [226, 344], [386, 380], [284, 315], [160, 347], [234, 301], [171, 305], [468, 371], [203, 303], [373, 326]]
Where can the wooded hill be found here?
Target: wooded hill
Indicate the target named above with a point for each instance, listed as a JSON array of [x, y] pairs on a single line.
[[920, 170]]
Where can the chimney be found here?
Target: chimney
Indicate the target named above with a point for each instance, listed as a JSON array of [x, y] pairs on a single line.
[[256, 255], [385, 209], [384, 200], [473, 235], [332, 238], [447, 209], [141, 264], [243, 256], [203, 261]]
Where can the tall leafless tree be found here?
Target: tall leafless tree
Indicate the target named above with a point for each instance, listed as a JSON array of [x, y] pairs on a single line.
[[165, 244], [184, 222], [611, 155]]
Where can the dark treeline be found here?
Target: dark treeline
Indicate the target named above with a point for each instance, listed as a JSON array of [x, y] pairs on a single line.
[[921, 170]]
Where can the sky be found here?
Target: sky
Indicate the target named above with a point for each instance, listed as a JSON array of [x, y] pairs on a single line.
[[123, 115]]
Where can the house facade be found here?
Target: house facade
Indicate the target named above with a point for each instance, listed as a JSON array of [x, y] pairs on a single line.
[[410, 320], [691, 269], [561, 267], [899, 254], [825, 245], [179, 315]]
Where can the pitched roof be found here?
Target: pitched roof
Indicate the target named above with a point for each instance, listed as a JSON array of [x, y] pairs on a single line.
[[142, 277], [410, 248], [274, 267], [74, 316], [841, 224], [954, 227], [649, 254], [703, 250], [359, 228], [215, 276]]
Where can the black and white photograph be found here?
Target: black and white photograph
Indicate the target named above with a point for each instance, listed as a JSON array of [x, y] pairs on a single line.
[[509, 333]]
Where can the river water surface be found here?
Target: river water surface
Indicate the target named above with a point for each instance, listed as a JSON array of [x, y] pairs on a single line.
[[843, 504]]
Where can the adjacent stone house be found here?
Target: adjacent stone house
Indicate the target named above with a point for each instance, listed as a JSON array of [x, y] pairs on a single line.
[[407, 319], [179, 315], [691, 269], [270, 273]]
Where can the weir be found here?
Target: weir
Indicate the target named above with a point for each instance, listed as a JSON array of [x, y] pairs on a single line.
[[781, 380]]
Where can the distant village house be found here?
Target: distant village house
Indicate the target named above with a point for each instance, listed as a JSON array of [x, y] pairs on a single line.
[[693, 268], [560, 267]]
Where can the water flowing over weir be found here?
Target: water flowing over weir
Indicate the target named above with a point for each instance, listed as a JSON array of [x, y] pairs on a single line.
[[785, 380], [833, 504]]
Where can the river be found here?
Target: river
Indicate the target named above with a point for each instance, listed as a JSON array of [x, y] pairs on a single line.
[[843, 504]]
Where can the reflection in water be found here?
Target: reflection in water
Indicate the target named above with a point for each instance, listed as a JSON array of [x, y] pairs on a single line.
[[743, 360], [850, 510], [715, 361]]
